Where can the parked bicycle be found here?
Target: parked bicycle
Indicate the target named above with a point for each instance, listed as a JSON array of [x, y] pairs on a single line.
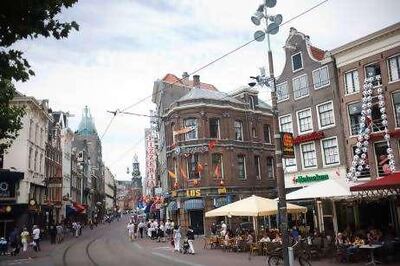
[[300, 250]]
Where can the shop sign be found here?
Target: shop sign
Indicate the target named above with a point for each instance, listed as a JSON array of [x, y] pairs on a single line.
[[183, 130], [190, 193], [310, 178], [287, 145], [191, 150], [5, 191], [316, 135], [222, 190]]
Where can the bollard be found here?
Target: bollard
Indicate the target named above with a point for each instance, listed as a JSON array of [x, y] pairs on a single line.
[[291, 256]]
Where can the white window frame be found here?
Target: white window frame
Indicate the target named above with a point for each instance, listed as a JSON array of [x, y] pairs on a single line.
[[318, 115], [345, 83], [291, 118], [196, 129], [244, 164], [394, 110], [298, 121], [323, 152], [323, 86], [365, 71], [388, 68], [302, 157], [348, 117], [273, 168], [241, 130], [259, 166], [302, 62], [287, 88], [308, 87]]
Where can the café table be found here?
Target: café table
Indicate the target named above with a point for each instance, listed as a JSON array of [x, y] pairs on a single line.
[[371, 250]]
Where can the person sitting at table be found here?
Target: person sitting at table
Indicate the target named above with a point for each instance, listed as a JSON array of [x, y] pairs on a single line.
[[227, 237], [249, 238], [277, 239], [265, 238], [373, 237]]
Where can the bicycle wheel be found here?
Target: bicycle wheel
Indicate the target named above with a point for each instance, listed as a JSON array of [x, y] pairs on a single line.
[[275, 260], [304, 261]]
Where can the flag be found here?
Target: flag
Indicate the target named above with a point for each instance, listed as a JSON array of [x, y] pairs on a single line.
[[217, 171], [183, 174], [172, 174]]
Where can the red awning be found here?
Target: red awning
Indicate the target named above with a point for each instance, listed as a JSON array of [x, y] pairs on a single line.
[[78, 207], [387, 182]]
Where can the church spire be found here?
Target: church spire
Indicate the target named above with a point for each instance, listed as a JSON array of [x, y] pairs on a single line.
[[86, 126]]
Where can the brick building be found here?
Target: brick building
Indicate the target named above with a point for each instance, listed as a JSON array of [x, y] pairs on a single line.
[[219, 149]]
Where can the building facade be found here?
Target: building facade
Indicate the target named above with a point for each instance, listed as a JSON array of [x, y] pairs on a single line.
[[27, 155], [110, 190], [219, 149]]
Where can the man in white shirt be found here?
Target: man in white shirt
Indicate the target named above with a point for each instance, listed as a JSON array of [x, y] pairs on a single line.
[[223, 228], [131, 230], [36, 237]]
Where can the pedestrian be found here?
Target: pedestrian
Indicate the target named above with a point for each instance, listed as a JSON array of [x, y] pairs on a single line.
[[3, 246], [75, 226], [60, 233], [53, 234], [36, 238], [24, 239], [177, 238], [14, 242], [141, 228], [190, 237], [168, 228], [131, 230], [223, 228]]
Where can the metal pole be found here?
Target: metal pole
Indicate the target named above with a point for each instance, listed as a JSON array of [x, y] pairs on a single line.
[[278, 157]]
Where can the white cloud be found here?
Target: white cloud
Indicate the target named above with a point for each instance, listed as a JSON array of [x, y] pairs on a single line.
[[124, 46]]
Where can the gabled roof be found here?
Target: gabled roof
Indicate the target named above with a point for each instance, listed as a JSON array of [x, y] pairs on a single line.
[[314, 52], [198, 93], [172, 79], [317, 53]]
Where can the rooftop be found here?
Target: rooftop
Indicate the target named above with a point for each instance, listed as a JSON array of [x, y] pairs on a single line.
[[172, 79]]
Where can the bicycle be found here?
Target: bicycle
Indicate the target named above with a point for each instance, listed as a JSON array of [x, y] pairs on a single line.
[[300, 251]]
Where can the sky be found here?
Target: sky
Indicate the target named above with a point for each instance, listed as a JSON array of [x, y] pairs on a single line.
[[123, 46]]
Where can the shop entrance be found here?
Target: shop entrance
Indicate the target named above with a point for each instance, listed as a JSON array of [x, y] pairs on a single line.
[[196, 220]]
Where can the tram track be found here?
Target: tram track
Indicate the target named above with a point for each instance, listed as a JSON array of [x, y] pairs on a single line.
[[87, 252]]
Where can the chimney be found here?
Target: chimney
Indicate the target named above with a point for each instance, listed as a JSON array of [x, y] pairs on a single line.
[[196, 81], [185, 75]]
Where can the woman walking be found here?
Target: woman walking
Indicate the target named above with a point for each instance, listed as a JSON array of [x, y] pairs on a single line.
[[24, 239], [177, 238], [190, 237]]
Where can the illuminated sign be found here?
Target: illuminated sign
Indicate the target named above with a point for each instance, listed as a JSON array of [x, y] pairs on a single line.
[[310, 178], [190, 193], [287, 145]]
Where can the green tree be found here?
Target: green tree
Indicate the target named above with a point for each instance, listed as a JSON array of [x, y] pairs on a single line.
[[23, 19]]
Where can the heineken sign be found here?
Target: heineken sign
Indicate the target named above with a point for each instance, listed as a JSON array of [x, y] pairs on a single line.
[[310, 178]]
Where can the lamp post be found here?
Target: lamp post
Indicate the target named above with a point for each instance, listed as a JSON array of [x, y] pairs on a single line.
[[272, 27]]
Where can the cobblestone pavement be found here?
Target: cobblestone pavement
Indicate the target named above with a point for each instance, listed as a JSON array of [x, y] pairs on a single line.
[[108, 245]]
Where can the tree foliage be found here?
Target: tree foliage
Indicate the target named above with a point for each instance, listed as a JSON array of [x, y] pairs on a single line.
[[24, 19]]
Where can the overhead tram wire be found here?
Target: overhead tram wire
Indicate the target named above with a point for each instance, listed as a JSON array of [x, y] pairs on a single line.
[[216, 60], [109, 125]]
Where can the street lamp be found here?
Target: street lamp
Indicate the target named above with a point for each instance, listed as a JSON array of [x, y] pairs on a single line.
[[272, 23]]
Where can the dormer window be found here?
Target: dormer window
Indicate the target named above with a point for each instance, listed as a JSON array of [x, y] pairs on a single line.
[[297, 62]]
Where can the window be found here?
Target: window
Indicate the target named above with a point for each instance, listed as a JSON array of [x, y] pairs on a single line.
[[309, 155], [238, 127], [394, 68], [355, 118], [321, 77], [173, 134], [214, 128], [376, 124], [330, 151], [257, 166], [305, 121], [40, 162], [282, 92], [300, 86], [351, 82], [192, 166], [30, 159], [289, 164], [285, 123], [192, 124], [326, 116], [35, 161], [396, 105], [217, 165], [30, 129], [254, 132], [252, 102], [241, 166], [36, 133], [270, 167], [267, 134], [41, 136], [297, 62], [373, 70]]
